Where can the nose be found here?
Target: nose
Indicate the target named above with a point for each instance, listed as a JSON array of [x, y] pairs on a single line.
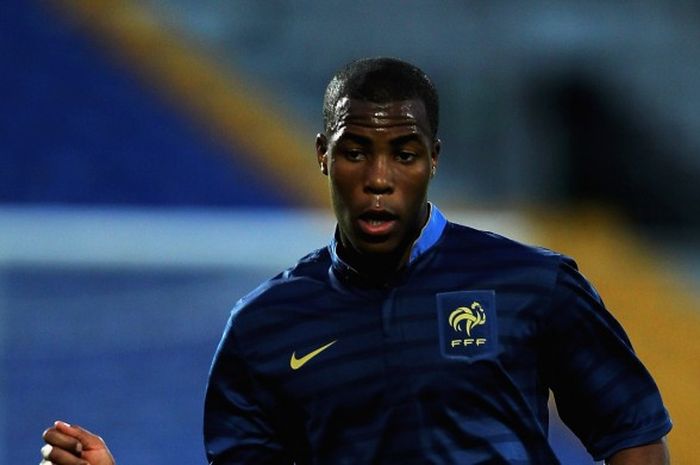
[[379, 176]]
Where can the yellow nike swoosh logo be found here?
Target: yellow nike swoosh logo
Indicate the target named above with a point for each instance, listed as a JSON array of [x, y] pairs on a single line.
[[296, 363]]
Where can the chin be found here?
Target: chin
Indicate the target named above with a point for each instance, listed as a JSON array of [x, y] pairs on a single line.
[[384, 247]]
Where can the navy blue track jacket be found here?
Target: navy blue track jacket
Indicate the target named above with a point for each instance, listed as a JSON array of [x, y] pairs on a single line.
[[451, 363]]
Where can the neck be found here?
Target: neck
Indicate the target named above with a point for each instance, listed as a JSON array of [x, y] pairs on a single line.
[[375, 268], [380, 268]]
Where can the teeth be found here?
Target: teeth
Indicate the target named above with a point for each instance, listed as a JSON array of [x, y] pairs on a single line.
[[375, 222]]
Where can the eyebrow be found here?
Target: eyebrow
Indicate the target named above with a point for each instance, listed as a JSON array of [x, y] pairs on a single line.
[[402, 140], [362, 140], [349, 136]]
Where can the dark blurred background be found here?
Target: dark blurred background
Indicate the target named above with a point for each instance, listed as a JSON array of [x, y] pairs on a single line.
[[156, 163]]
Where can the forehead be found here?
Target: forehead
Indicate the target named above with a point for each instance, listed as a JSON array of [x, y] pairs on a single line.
[[401, 115]]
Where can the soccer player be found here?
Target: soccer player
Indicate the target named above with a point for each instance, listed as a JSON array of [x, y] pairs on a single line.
[[410, 339]]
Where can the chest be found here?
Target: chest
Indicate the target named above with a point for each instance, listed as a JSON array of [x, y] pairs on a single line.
[[341, 355]]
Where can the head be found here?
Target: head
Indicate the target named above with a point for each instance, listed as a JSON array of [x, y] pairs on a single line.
[[379, 149], [381, 80]]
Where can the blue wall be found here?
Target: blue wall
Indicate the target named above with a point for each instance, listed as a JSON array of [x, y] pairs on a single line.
[[123, 352], [78, 127]]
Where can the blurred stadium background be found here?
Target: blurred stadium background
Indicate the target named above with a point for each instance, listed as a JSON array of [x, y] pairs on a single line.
[[156, 163]]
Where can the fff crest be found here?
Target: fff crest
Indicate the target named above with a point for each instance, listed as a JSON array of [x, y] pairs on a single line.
[[467, 324]]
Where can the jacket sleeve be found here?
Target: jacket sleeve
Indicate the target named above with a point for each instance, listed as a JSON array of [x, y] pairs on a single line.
[[602, 390], [237, 429]]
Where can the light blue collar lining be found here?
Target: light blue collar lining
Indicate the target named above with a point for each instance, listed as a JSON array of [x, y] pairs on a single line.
[[430, 233]]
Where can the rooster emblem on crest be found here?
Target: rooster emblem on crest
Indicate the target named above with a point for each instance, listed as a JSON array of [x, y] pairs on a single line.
[[472, 315]]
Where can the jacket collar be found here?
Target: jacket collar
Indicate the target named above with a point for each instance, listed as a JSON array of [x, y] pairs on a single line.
[[428, 237]]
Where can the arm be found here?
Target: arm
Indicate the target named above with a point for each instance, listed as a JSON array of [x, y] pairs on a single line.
[[239, 425], [73, 445], [603, 392], [655, 453]]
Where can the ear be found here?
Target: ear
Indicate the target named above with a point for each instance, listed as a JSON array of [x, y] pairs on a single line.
[[322, 152], [434, 156]]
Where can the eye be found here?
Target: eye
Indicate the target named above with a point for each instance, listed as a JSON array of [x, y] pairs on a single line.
[[405, 156], [354, 154]]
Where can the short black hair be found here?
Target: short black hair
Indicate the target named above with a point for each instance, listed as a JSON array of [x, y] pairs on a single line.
[[381, 80]]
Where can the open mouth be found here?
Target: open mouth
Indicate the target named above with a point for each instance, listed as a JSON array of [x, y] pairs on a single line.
[[377, 223]]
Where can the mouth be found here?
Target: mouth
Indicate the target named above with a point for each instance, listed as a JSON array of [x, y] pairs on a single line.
[[377, 222]]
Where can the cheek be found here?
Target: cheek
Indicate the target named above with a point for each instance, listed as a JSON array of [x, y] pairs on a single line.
[[414, 184], [344, 181], [342, 194]]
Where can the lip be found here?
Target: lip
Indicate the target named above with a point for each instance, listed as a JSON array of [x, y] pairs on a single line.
[[373, 222]]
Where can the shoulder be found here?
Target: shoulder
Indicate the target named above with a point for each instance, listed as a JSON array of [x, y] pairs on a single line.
[[305, 278], [486, 245], [500, 261]]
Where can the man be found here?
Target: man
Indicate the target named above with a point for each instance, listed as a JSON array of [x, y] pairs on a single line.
[[410, 339]]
